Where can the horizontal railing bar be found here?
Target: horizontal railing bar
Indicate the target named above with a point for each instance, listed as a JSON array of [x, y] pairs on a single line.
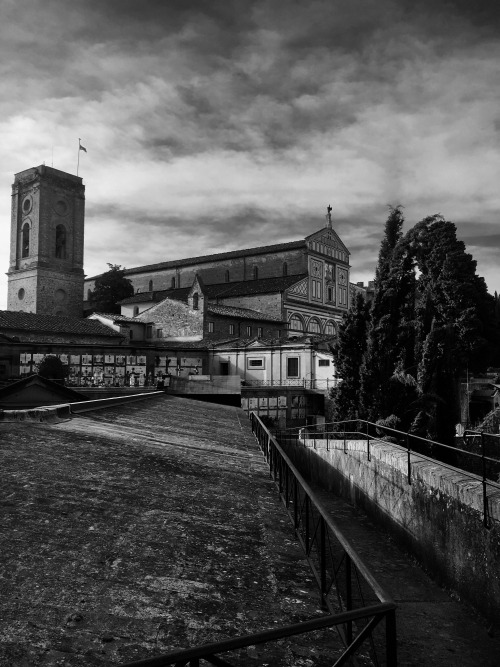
[[467, 473], [263, 637]]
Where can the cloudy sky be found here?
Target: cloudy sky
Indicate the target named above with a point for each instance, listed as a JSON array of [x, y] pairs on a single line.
[[213, 125]]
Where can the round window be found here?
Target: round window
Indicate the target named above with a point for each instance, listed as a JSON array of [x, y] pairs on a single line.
[[27, 205], [20, 294], [61, 207]]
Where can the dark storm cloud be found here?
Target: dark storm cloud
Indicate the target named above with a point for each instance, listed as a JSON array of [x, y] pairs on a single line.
[[219, 124]]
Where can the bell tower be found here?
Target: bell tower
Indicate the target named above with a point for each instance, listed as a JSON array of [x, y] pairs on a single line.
[[46, 244]]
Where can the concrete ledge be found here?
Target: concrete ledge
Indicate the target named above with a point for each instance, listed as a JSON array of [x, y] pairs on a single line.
[[65, 410], [42, 414], [102, 403], [438, 516]]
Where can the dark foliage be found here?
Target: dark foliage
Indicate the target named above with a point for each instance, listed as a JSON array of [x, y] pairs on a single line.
[[110, 289], [52, 368]]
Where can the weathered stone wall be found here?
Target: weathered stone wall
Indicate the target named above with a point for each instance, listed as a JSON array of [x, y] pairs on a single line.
[[213, 272], [438, 516], [174, 318]]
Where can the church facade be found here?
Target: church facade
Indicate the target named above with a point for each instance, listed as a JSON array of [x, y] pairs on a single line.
[[45, 274], [304, 284]]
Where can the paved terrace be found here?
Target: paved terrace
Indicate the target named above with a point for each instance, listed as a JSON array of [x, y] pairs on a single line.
[[132, 531], [135, 530]]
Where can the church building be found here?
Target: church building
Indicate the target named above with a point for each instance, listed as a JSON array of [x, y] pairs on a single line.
[[304, 284]]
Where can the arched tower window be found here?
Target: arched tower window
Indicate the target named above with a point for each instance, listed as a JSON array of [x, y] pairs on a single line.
[[172, 282], [195, 301], [227, 276], [25, 240], [150, 285], [285, 269], [255, 272], [61, 241]]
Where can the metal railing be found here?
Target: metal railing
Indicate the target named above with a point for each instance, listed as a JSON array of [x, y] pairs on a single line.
[[362, 613], [345, 582], [318, 384], [478, 465]]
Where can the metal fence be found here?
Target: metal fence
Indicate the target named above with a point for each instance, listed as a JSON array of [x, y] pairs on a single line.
[[479, 461], [344, 581], [318, 385]]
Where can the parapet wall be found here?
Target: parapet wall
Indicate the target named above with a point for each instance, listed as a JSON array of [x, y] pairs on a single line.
[[438, 517]]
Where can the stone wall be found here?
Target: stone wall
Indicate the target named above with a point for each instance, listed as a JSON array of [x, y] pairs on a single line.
[[438, 517], [214, 272]]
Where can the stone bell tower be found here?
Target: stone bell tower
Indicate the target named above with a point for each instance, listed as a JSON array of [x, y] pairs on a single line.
[[46, 243]]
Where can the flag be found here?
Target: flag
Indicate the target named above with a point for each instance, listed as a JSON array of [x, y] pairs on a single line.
[[82, 148]]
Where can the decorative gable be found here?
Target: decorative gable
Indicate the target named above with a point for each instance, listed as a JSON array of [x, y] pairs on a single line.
[[327, 242], [299, 289]]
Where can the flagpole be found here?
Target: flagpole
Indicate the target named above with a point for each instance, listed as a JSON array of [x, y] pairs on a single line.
[[78, 161]]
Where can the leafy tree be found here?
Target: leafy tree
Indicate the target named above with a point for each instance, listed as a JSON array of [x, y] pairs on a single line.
[[348, 353], [52, 368], [110, 288]]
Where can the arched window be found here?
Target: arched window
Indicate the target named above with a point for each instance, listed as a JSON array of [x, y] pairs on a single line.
[[150, 285], [172, 283], [89, 292], [296, 323], [285, 269], [136, 310], [314, 326], [61, 241], [227, 276], [195, 301], [25, 241], [330, 329], [255, 272]]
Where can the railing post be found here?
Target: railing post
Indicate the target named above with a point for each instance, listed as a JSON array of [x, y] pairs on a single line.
[[345, 443], [306, 508], [327, 441], [295, 504], [348, 595], [486, 521], [368, 442], [322, 560], [408, 447], [391, 646]]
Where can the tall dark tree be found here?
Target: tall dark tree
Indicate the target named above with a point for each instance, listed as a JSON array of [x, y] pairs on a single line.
[[348, 353], [110, 288], [452, 319], [390, 341]]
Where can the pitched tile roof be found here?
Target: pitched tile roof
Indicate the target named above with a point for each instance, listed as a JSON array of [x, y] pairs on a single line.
[[261, 286], [114, 317], [216, 256], [31, 322], [178, 294], [220, 290], [246, 313]]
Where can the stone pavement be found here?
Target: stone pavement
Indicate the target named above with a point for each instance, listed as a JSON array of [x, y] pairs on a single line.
[[433, 627], [135, 530]]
